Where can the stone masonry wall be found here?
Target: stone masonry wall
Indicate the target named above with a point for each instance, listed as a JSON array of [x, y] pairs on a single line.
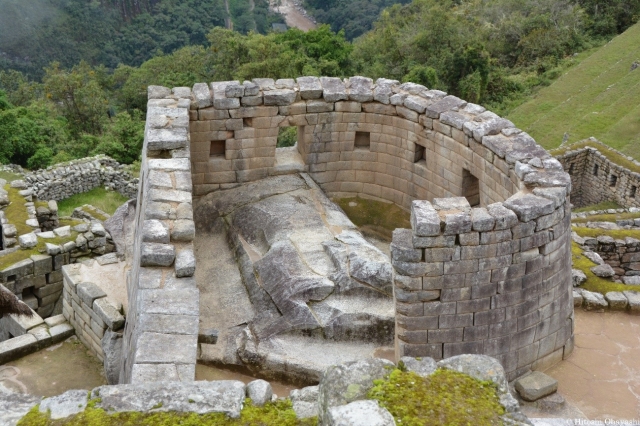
[[596, 179], [494, 279], [87, 309], [64, 180], [161, 334]]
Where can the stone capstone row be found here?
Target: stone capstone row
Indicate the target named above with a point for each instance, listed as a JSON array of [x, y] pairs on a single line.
[[61, 181], [162, 284]]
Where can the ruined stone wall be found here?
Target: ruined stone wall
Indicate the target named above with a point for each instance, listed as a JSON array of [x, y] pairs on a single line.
[[64, 180], [596, 179], [493, 280], [161, 333]]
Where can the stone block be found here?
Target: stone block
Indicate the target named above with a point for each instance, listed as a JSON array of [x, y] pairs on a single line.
[[155, 231], [425, 221], [529, 207], [279, 97], [505, 218], [61, 332], [155, 254], [310, 87], [333, 89], [109, 314], [185, 263], [88, 292], [17, 347], [28, 241], [634, 301], [535, 386], [166, 348], [359, 413], [617, 300], [183, 230], [481, 220], [166, 139]]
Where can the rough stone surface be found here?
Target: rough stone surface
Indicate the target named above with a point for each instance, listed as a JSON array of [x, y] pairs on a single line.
[[260, 392], [536, 385], [224, 396], [305, 401], [112, 349], [578, 277], [603, 271], [617, 300], [65, 405], [14, 406], [423, 367], [593, 301], [359, 413], [350, 382]]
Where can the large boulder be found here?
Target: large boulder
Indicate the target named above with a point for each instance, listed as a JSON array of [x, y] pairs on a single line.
[[120, 226], [360, 413]]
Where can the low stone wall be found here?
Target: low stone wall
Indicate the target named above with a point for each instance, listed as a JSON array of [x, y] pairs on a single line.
[[37, 280], [31, 335], [64, 180], [87, 309], [595, 179], [622, 255], [161, 334]]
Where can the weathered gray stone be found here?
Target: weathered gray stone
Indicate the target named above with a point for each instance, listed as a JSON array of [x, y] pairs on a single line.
[[634, 301], [14, 406], [578, 277], [603, 271], [360, 89], [594, 257], [158, 92], [359, 413], [577, 298], [183, 230], [425, 221], [154, 231], [633, 280], [333, 89], [423, 367], [617, 300], [280, 97], [593, 301], [112, 349], [536, 385], [481, 220], [28, 241], [310, 87], [65, 405], [529, 206], [88, 292], [260, 392], [109, 314], [234, 91], [63, 231], [223, 396], [185, 263], [154, 254], [366, 263], [342, 384], [446, 104], [505, 218], [97, 229], [305, 401], [164, 139]]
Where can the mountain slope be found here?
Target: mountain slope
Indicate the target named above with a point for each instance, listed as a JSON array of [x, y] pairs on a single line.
[[600, 97]]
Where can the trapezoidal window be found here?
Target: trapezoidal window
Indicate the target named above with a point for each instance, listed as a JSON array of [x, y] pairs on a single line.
[[217, 149], [595, 170], [363, 140], [632, 191], [571, 167], [613, 180], [470, 188], [420, 153]]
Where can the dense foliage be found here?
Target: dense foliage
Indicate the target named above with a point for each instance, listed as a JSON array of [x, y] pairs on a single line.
[[35, 33], [92, 99], [355, 17]]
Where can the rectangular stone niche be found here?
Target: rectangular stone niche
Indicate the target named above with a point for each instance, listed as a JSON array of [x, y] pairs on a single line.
[[363, 140], [613, 180], [217, 149], [632, 191], [470, 188], [419, 153]]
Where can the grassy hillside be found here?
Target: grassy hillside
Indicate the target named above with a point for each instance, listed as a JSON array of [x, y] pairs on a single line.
[[599, 97]]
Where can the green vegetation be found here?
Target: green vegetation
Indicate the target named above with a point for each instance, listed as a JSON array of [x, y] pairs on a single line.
[[279, 413], [598, 98], [354, 17], [16, 212], [107, 201], [594, 283], [444, 398], [606, 217], [379, 217], [8, 176], [605, 205], [618, 234], [287, 136]]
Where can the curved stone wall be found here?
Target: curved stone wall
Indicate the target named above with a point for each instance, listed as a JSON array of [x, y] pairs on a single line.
[[486, 267]]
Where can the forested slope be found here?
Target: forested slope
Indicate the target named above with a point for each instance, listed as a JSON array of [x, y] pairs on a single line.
[[599, 97]]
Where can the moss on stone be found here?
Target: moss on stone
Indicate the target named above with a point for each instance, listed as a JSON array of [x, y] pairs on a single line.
[[594, 283], [444, 398], [16, 212], [377, 216], [618, 234], [15, 257], [279, 413], [606, 217], [605, 205]]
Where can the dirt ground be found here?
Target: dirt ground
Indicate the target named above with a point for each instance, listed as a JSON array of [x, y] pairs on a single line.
[[293, 17]]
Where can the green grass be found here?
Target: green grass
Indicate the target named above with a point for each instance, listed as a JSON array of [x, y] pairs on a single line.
[[619, 234], [16, 212], [444, 398], [272, 414], [375, 216], [8, 176], [598, 97], [107, 201], [606, 217], [605, 205]]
